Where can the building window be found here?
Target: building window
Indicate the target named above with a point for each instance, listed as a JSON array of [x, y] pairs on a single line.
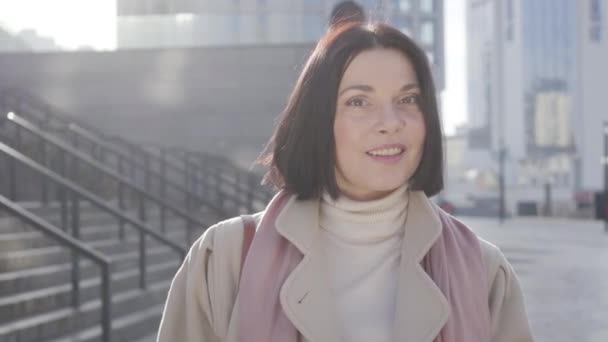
[[595, 18], [404, 5], [427, 6], [427, 35]]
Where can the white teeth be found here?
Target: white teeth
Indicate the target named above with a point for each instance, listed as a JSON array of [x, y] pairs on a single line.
[[387, 151]]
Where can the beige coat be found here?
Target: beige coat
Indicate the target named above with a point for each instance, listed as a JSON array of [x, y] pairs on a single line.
[[201, 300]]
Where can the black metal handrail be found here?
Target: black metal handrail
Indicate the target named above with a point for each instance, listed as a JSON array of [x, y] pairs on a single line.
[[47, 111], [82, 131], [108, 145], [242, 182], [122, 157], [122, 181], [77, 247], [244, 195], [183, 167], [78, 193]]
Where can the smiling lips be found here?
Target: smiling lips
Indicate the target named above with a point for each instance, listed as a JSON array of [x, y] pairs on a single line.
[[387, 153]]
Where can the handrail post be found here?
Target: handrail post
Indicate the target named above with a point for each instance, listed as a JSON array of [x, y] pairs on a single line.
[[12, 176], [74, 139], [204, 174], [187, 182], [250, 189], [142, 244], [218, 180], [163, 189], [121, 200], [146, 171], [106, 301], [44, 182], [63, 194], [18, 138], [133, 170], [142, 207], [199, 180], [189, 229], [196, 182], [75, 257]]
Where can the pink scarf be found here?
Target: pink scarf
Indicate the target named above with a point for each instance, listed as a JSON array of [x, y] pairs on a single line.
[[454, 263]]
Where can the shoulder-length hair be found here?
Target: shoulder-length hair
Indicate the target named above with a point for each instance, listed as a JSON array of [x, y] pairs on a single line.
[[301, 153]]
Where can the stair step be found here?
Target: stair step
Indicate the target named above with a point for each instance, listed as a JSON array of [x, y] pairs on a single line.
[[127, 306], [33, 258], [148, 338], [31, 238], [124, 329], [14, 225], [26, 303], [90, 217]]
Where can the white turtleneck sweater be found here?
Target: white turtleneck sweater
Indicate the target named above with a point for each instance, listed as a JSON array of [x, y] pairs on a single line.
[[363, 242]]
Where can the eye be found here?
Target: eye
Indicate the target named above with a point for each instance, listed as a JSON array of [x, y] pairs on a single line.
[[356, 102], [410, 99]]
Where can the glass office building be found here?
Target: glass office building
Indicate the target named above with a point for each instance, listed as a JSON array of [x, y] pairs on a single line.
[[189, 23], [549, 53]]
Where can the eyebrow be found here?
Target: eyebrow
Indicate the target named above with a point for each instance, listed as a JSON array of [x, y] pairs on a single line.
[[369, 89]]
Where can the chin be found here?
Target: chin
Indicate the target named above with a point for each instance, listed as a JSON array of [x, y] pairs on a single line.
[[387, 187]]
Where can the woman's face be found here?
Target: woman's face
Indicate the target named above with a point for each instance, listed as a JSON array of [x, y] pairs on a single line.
[[379, 129]]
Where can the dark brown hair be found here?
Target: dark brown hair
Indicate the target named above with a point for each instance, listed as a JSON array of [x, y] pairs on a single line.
[[346, 11], [301, 153]]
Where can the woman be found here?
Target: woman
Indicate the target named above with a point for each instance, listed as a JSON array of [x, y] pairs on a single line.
[[351, 248]]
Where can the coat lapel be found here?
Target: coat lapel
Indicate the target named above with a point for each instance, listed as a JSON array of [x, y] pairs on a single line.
[[305, 295], [422, 310]]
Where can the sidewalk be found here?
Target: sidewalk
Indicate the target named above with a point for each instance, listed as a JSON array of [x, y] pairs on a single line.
[[563, 268]]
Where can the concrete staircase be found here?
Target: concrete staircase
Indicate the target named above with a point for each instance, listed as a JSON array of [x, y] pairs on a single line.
[[36, 272], [35, 281]]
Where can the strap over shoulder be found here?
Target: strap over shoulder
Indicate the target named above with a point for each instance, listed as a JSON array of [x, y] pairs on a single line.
[[249, 227]]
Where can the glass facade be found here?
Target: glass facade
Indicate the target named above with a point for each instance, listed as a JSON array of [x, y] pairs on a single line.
[[549, 51], [427, 6], [258, 21], [132, 24]]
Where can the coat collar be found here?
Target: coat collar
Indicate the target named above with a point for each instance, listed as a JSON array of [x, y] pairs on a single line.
[[422, 310]]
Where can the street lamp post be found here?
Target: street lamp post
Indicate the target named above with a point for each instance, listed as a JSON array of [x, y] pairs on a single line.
[[605, 163], [501, 183]]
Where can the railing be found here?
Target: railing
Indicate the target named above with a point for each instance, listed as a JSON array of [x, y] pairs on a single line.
[[100, 146], [235, 184], [77, 194], [78, 248], [116, 146], [40, 111], [192, 167], [103, 170], [221, 177]]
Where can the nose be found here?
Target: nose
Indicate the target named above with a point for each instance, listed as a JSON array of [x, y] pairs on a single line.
[[390, 121]]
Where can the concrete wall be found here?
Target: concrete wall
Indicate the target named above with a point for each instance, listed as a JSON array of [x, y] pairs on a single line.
[[218, 99]]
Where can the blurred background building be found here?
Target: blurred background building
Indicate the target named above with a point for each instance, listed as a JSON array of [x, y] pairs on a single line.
[[153, 110], [534, 71], [166, 23], [184, 72]]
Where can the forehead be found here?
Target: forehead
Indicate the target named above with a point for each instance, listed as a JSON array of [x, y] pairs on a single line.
[[380, 66]]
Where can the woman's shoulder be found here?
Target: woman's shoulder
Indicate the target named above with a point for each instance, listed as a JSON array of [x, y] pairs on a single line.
[[223, 235], [495, 261], [506, 298], [493, 257]]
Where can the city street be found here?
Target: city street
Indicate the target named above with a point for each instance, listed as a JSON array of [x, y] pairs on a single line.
[[563, 267]]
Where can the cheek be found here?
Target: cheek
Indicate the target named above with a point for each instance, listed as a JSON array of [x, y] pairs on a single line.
[[338, 133], [344, 136], [418, 131]]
